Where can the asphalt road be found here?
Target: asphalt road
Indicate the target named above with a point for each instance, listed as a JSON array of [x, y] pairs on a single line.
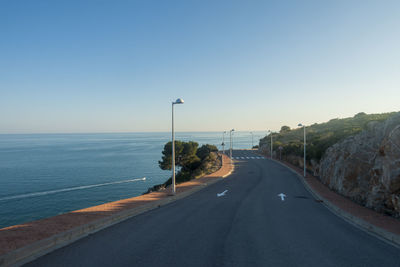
[[248, 226]]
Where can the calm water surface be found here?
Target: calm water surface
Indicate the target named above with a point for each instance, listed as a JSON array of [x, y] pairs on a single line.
[[43, 175]]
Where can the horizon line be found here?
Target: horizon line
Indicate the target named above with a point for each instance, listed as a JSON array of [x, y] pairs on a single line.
[[131, 132]]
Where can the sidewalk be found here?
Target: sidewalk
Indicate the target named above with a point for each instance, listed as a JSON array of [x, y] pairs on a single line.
[[376, 223], [22, 243]]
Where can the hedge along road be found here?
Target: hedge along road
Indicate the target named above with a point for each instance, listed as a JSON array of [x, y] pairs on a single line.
[[261, 215]]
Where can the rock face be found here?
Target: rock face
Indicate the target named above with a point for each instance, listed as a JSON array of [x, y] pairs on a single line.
[[366, 167]]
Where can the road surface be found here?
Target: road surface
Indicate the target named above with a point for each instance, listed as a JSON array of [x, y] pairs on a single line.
[[261, 215]]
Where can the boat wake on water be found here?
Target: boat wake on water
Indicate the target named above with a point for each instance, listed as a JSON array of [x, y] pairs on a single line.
[[36, 194]]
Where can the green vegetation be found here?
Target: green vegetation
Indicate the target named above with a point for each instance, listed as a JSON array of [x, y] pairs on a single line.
[[191, 161], [185, 156], [319, 136], [284, 129]]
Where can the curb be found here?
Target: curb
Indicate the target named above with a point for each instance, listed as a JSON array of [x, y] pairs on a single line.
[[40, 248], [380, 233], [232, 169]]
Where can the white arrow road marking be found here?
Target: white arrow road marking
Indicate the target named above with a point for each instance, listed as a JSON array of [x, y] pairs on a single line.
[[282, 196], [222, 194]]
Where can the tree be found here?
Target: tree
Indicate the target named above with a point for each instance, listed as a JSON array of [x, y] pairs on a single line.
[[360, 114], [205, 151], [284, 129], [185, 155], [193, 161]]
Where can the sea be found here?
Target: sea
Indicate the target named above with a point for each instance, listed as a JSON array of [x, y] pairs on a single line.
[[43, 175]]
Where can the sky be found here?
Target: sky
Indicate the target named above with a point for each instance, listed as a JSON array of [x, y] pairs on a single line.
[[116, 66]]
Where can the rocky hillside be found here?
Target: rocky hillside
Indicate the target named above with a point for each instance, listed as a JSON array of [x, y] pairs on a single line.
[[366, 167], [288, 143]]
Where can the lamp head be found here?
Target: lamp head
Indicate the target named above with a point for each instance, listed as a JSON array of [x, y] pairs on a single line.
[[300, 125], [179, 101]]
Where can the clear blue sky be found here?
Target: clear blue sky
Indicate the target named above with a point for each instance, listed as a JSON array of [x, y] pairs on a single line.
[[115, 66]]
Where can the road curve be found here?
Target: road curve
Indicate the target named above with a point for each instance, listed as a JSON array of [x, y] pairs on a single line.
[[248, 225]]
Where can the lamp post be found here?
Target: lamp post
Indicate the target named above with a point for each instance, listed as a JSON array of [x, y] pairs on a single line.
[[252, 138], [178, 101], [230, 143], [304, 127], [271, 143], [223, 143]]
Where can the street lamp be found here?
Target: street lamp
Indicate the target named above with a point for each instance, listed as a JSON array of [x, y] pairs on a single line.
[[304, 127], [223, 143], [252, 140], [178, 101], [230, 143], [272, 144]]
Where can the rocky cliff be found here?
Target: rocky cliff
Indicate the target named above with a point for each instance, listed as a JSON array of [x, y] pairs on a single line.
[[366, 167]]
